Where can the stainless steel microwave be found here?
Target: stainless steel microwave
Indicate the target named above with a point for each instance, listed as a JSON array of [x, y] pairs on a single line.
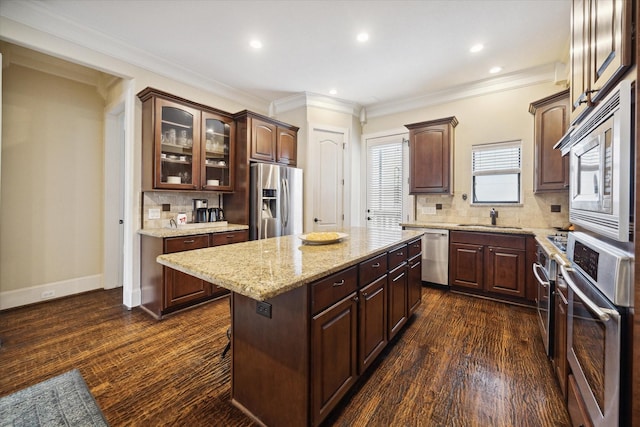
[[600, 158]]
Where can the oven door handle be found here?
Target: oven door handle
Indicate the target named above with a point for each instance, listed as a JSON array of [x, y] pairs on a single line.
[[602, 315], [544, 283]]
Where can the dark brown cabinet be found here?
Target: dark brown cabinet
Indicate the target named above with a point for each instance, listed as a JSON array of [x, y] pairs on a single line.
[[414, 268], [373, 309], [270, 140], [576, 406], [488, 262], [431, 156], [334, 351], [551, 170], [320, 338], [165, 290], [601, 50], [398, 290], [262, 139], [185, 145]]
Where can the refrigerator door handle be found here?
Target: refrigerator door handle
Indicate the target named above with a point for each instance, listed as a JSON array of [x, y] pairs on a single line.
[[285, 213]]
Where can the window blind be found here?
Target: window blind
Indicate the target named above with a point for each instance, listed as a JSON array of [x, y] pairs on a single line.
[[497, 158], [384, 185]]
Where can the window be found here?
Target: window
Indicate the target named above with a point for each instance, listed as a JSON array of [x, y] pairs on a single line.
[[496, 172]]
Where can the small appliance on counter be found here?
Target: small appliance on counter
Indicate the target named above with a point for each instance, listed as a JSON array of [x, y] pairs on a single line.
[[216, 214], [200, 210]]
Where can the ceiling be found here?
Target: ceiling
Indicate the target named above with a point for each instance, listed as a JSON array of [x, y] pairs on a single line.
[[416, 49]]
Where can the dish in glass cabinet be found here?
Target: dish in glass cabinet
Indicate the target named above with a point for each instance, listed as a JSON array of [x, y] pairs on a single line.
[[322, 238]]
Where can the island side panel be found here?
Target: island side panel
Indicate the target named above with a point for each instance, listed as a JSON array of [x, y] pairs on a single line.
[[270, 359]]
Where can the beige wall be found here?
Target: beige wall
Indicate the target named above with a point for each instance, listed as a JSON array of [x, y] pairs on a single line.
[[51, 212], [496, 117]]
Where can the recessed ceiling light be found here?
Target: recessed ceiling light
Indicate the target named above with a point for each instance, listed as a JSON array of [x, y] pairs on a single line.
[[363, 37], [333, 92], [256, 44], [476, 48], [495, 70]]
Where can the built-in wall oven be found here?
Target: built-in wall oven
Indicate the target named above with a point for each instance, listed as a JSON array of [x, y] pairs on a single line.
[[544, 270], [600, 294], [600, 153]]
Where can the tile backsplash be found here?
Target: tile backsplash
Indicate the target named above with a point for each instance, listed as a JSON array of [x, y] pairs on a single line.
[[534, 212], [178, 202]]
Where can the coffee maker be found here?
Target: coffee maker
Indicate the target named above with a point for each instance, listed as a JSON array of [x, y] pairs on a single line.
[[200, 210]]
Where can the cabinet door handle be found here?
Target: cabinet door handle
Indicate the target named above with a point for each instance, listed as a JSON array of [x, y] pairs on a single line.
[[340, 283], [480, 248], [355, 299], [400, 254], [364, 294], [376, 265], [188, 241], [398, 278]]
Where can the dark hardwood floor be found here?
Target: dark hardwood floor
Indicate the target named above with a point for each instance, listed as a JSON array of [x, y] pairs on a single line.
[[461, 361]]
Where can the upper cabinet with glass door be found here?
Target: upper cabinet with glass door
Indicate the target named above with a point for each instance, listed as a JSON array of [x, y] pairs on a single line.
[[179, 155], [185, 145], [217, 137]]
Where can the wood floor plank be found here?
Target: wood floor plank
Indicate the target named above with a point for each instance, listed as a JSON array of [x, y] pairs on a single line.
[[461, 361]]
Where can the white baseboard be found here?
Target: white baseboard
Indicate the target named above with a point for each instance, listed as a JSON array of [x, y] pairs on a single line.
[[19, 297]]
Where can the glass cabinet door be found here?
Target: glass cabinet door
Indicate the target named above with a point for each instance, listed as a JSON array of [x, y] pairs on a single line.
[[218, 149], [179, 136]]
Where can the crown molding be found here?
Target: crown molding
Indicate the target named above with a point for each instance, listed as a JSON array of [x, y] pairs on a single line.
[[40, 17], [529, 77], [310, 99]]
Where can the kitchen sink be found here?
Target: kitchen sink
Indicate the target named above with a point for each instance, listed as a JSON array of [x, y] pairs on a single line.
[[489, 226]]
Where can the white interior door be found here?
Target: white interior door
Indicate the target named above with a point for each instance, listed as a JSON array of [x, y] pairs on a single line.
[[114, 172], [328, 212]]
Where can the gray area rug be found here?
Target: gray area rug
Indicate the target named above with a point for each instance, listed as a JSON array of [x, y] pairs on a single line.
[[64, 400]]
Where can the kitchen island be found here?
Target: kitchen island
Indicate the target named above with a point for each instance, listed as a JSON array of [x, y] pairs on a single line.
[[308, 320]]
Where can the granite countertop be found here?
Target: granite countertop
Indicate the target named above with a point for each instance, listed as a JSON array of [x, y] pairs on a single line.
[[263, 269], [203, 228]]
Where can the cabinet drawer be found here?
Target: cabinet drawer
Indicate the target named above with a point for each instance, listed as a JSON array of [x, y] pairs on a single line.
[[218, 239], [185, 243], [372, 269], [415, 247], [333, 288], [397, 256]]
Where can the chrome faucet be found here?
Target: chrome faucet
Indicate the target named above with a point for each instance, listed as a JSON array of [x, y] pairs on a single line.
[[493, 214]]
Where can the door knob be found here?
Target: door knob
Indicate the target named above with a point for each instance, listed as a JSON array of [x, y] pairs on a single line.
[[316, 220]]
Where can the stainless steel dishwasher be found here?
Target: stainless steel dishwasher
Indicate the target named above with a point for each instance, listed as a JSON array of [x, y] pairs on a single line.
[[435, 256]]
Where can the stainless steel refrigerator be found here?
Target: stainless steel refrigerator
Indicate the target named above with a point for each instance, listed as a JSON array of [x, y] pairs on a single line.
[[275, 202]]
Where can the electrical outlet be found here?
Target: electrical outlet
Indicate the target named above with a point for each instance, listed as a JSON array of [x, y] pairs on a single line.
[[429, 210], [154, 213], [48, 294], [166, 207], [555, 208], [263, 309]]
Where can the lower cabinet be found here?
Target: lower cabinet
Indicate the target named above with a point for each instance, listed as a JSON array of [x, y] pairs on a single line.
[[334, 338], [163, 289], [576, 406], [492, 263], [317, 340]]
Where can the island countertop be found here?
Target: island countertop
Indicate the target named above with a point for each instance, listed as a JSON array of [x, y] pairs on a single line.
[[263, 269]]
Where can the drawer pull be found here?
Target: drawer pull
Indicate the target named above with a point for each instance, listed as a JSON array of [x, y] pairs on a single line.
[[230, 236], [340, 283], [189, 241], [398, 278], [376, 265], [400, 254]]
